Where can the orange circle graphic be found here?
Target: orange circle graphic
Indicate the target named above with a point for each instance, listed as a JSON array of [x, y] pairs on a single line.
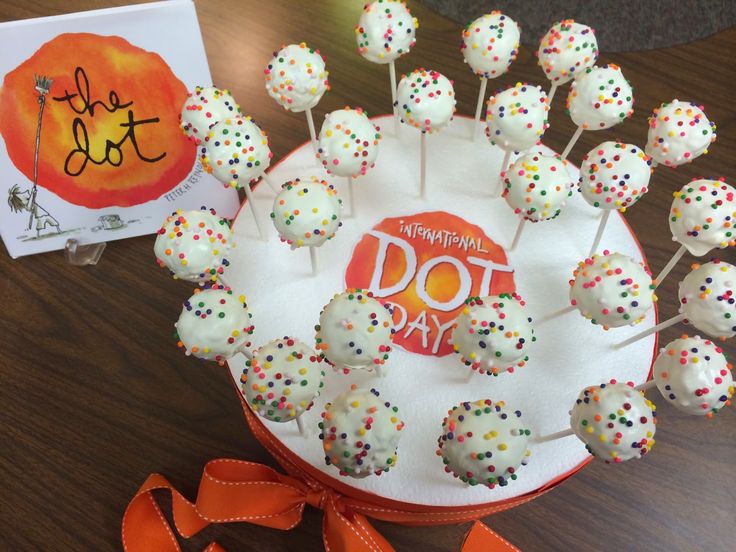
[[426, 265], [110, 130]]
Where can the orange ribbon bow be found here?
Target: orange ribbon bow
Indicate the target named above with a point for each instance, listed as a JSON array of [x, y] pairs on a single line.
[[236, 490]]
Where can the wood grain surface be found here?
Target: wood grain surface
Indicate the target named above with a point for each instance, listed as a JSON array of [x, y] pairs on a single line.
[[95, 394]]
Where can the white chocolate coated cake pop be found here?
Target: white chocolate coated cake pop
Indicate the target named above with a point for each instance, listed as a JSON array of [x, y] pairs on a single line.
[[426, 100], [567, 50], [600, 98], [614, 175], [360, 433], [484, 443], [385, 31], [612, 290], [296, 77], [193, 245], [306, 212], [355, 331], [694, 376], [703, 216], [678, 133], [214, 324], [493, 334], [348, 142], [517, 117], [490, 44], [236, 152], [707, 298], [282, 379], [615, 421], [537, 186], [203, 108]]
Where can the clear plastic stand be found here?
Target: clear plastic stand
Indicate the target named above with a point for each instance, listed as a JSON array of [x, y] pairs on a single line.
[[83, 255]]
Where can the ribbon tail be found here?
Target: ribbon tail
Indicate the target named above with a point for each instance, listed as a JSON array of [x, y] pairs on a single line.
[[481, 538], [348, 531], [144, 526]]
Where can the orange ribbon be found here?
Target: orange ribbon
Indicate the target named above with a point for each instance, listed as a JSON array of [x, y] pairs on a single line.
[[235, 490]]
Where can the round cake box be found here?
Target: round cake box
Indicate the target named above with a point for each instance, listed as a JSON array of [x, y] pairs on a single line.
[[426, 257]]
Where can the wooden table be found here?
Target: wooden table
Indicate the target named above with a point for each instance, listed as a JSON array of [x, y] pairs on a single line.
[[95, 394]]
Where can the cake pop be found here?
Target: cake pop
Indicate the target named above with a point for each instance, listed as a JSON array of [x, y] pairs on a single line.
[[282, 379], [707, 301], [536, 188], [493, 334], [599, 99], [426, 101], [612, 290], [386, 30], [615, 421], [204, 107], [215, 324], [296, 78], [566, 51], [484, 443], [694, 376], [702, 218], [613, 175], [355, 331], [360, 433], [678, 133], [516, 119], [489, 45], [193, 245], [348, 145], [307, 213]]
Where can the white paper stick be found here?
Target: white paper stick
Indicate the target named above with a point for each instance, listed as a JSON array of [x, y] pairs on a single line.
[[392, 76], [247, 352], [249, 201], [654, 164], [553, 315], [300, 425], [504, 166], [599, 234], [379, 371], [658, 328], [479, 107], [270, 184], [646, 385], [554, 436], [551, 93], [313, 259], [312, 133], [670, 265], [423, 166], [519, 230], [351, 194], [469, 375], [571, 143]]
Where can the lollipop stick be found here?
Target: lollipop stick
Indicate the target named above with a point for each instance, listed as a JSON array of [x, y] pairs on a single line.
[[379, 371], [392, 76], [571, 143], [519, 230], [300, 425], [504, 166], [553, 315], [249, 201], [553, 436], [270, 184], [670, 265], [312, 133], [479, 107], [351, 193], [313, 259], [423, 166], [646, 385], [469, 375], [599, 234], [650, 331], [551, 93], [247, 352]]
